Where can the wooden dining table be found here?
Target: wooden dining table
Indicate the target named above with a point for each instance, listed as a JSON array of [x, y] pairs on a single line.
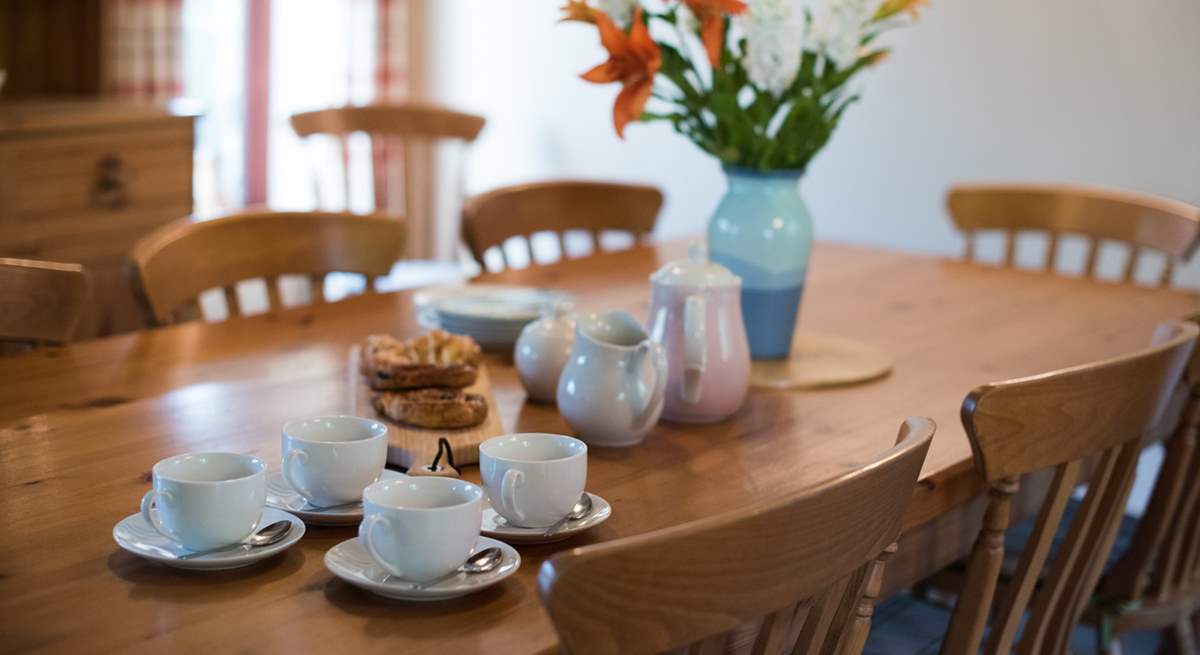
[[81, 427]]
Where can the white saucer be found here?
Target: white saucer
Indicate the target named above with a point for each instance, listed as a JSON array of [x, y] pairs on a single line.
[[496, 526], [136, 536], [280, 495], [350, 562]]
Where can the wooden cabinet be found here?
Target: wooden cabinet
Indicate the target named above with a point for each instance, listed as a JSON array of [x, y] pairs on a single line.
[[81, 181]]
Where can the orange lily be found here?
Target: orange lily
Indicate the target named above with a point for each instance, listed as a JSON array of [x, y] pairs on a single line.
[[890, 8], [578, 10], [711, 14], [633, 60]]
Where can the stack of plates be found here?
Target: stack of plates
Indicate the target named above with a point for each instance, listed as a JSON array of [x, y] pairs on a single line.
[[492, 314]]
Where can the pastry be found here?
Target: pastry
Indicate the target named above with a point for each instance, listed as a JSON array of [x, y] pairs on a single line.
[[436, 359], [437, 408]]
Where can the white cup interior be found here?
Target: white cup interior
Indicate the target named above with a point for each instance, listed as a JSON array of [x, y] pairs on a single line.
[[209, 467], [334, 429], [533, 447], [422, 493]]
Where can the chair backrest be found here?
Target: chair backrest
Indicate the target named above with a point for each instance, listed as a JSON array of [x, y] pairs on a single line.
[[494, 217], [40, 302], [402, 138], [1161, 567], [1141, 221], [1057, 420], [187, 257], [800, 572]]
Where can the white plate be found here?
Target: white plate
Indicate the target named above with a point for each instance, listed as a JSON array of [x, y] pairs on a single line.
[[280, 495], [509, 293], [138, 537], [349, 561], [486, 304], [494, 525]]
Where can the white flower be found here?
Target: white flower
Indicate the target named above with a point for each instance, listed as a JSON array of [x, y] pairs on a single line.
[[774, 43], [837, 30], [620, 11]]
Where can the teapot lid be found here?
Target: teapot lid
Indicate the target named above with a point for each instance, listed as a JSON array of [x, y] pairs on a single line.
[[695, 271]]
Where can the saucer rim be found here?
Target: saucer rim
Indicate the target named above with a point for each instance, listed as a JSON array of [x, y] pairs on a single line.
[[434, 593], [534, 535], [214, 561]]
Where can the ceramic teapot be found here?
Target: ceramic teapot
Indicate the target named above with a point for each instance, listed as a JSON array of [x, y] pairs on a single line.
[[611, 390], [696, 314]]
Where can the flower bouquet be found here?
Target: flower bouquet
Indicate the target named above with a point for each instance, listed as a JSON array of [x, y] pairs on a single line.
[[760, 85]]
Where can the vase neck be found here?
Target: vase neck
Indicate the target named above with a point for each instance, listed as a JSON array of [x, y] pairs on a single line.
[[748, 178]]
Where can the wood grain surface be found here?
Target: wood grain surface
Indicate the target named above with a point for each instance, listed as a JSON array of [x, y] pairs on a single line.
[[81, 427]]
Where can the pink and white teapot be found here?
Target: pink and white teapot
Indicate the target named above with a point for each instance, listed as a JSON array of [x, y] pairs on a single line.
[[696, 314]]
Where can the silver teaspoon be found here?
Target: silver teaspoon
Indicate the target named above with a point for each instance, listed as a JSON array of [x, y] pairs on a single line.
[[481, 562], [271, 534], [582, 508]]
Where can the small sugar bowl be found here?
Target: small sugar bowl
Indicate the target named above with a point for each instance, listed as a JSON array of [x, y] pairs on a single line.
[[541, 353]]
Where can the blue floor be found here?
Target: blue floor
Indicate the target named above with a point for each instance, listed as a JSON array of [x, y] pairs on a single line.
[[907, 625]]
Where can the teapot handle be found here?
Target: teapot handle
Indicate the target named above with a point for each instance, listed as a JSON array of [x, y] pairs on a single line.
[[645, 406], [694, 350]]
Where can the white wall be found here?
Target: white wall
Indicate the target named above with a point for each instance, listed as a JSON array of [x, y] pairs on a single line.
[[1090, 91]]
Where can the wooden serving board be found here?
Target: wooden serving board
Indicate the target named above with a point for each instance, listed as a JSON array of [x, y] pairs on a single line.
[[411, 446]]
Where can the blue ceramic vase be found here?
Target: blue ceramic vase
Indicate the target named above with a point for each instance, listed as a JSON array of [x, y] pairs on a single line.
[[762, 232]]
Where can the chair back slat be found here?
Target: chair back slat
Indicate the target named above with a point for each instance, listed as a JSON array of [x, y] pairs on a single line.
[[1168, 273], [817, 547], [187, 257], [231, 300], [274, 294], [1177, 571], [41, 302], [1015, 601], [1058, 420], [316, 288], [1051, 263], [1144, 223], [1076, 567], [491, 219]]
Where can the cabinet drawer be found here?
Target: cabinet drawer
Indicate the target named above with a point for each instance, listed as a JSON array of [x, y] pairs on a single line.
[[88, 196], [101, 173]]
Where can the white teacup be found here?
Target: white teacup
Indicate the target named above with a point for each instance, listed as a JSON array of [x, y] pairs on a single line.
[[329, 460], [533, 480], [207, 500], [421, 528]]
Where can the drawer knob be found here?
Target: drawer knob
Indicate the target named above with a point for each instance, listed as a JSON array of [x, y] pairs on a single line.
[[111, 190]]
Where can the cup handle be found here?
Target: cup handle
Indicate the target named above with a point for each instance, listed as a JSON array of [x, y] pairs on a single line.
[[291, 456], [369, 524], [694, 351], [508, 492], [147, 502], [645, 406]]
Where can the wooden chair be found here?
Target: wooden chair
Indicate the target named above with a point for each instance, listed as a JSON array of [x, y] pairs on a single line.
[[799, 574], [181, 260], [40, 302], [1057, 420], [1155, 585], [1145, 223], [490, 219], [402, 137]]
